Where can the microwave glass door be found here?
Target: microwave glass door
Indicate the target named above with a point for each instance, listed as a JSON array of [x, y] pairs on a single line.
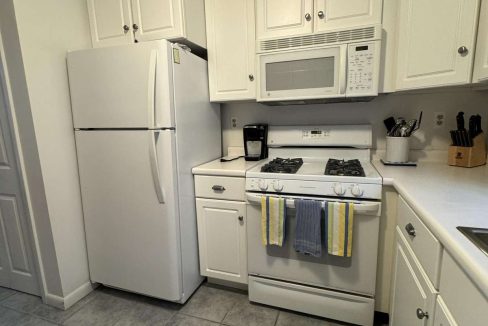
[[303, 74]]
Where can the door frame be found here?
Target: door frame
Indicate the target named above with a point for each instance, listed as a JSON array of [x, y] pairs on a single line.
[[14, 134]]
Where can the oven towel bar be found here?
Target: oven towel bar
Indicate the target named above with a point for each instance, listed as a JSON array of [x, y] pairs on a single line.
[[339, 218], [290, 202], [307, 230], [273, 214]]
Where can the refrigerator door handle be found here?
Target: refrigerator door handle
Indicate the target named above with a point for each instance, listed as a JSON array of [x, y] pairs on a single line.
[[153, 158], [151, 89]]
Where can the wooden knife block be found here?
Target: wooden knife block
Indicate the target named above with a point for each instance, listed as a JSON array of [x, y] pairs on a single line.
[[468, 157]]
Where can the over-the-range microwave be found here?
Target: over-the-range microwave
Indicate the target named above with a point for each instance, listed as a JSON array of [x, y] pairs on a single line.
[[344, 71]]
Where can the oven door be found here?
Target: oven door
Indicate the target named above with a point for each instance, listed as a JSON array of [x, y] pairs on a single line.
[[356, 274], [303, 74]]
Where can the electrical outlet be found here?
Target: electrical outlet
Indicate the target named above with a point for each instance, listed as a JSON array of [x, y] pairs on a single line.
[[439, 119], [233, 122]]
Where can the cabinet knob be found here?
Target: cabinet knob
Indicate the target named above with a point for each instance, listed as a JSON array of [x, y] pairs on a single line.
[[308, 17], [251, 77], [463, 50], [421, 314], [241, 218], [218, 188], [321, 14], [135, 27], [410, 229], [126, 28]]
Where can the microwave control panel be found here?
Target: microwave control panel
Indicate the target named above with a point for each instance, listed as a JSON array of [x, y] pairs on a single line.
[[362, 69]]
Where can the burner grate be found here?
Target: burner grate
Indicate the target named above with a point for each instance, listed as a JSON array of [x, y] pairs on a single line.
[[283, 165], [351, 168]]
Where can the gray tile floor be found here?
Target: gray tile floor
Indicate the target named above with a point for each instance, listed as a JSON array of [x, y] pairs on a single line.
[[210, 305]]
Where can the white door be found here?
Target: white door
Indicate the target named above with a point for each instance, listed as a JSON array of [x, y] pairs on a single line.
[[343, 14], [110, 22], [442, 315], [17, 270], [410, 290], [283, 18], [128, 187], [231, 49], [435, 42], [481, 56], [157, 19], [222, 239], [121, 87]]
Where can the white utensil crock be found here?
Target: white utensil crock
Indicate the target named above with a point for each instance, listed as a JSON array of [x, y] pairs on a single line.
[[397, 149]]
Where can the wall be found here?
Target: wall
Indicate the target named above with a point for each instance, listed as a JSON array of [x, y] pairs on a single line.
[[407, 105], [39, 82]]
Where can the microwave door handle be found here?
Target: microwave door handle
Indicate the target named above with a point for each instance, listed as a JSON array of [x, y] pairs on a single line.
[[343, 69]]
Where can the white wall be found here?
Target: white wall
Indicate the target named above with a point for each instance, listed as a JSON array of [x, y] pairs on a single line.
[[47, 29], [407, 105]]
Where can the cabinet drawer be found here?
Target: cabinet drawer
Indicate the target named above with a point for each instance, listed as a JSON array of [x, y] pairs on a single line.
[[426, 247], [229, 188]]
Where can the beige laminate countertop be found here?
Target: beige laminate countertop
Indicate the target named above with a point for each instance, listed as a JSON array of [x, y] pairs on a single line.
[[236, 168], [445, 197]]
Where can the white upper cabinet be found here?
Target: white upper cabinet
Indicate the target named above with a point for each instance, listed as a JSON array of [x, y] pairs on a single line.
[[156, 19], [114, 22], [282, 18], [110, 22], [435, 42], [231, 49], [480, 73], [333, 14]]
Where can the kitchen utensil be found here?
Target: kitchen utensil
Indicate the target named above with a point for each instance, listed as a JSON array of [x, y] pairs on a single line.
[[389, 123], [460, 120], [472, 126], [453, 138]]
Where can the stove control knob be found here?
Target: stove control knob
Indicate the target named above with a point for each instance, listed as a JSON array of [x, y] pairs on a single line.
[[262, 184], [356, 191], [277, 186], [338, 189]]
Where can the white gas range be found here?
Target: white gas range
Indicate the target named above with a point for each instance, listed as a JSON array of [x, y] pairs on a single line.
[[325, 163]]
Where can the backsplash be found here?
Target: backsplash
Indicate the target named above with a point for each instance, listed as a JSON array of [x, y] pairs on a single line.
[[407, 105]]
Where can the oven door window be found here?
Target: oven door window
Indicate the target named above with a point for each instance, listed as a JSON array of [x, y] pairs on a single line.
[[303, 74]]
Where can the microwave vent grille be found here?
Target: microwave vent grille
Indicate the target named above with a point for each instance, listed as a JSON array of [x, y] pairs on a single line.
[[366, 33]]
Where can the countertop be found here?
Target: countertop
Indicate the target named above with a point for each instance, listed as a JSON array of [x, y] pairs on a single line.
[[236, 168], [445, 197]]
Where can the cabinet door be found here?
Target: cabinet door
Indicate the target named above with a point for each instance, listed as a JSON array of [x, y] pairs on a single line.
[[222, 239], [110, 22], [442, 315], [333, 14], [481, 57], [231, 49], [411, 291], [157, 19], [435, 42], [282, 18]]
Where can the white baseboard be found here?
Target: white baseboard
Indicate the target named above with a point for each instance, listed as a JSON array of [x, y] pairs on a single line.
[[70, 299]]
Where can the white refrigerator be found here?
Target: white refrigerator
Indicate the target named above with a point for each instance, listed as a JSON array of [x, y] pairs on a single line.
[[142, 120]]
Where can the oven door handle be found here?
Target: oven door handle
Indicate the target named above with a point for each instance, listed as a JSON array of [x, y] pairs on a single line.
[[375, 207]]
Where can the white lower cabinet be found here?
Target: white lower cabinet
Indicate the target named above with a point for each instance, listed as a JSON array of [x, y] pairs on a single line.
[[442, 315], [222, 239], [413, 297]]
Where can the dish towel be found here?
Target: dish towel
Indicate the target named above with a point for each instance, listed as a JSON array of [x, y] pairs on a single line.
[[339, 219], [273, 215], [307, 231]]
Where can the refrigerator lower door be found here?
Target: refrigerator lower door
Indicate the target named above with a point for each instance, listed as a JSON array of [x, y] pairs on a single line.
[[131, 213]]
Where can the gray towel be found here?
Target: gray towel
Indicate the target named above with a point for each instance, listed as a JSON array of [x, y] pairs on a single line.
[[307, 231]]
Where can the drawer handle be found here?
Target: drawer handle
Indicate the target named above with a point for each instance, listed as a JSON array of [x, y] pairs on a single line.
[[410, 229], [218, 188], [241, 218], [421, 314]]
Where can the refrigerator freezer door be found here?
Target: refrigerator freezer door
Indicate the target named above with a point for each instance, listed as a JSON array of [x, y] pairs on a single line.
[[122, 87], [132, 236]]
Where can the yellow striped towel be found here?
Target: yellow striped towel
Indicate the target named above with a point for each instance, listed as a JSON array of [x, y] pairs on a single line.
[[273, 214], [338, 228]]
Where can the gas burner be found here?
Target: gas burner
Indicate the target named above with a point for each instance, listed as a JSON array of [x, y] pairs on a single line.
[[283, 165], [351, 168]]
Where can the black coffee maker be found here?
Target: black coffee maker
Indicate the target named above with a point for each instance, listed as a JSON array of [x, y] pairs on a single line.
[[255, 141]]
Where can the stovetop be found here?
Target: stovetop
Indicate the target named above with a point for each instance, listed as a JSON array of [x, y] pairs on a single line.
[[283, 165], [350, 168]]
